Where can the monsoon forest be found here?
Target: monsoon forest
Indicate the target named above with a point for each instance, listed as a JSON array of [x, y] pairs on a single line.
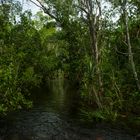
[[69, 69]]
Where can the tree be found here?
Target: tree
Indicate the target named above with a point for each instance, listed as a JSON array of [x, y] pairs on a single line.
[[131, 59]]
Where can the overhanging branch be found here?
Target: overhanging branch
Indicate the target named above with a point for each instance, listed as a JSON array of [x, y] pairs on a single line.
[[35, 4], [47, 11]]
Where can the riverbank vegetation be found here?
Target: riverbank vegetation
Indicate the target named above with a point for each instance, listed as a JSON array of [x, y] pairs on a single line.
[[94, 44]]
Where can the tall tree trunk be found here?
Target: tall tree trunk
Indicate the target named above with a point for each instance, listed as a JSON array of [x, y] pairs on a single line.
[[93, 29], [95, 56], [131, 58]]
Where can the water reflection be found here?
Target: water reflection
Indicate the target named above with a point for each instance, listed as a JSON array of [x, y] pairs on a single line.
[[59, 97]]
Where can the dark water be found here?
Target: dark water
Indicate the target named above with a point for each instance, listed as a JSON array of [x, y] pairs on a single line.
[[55, 116]]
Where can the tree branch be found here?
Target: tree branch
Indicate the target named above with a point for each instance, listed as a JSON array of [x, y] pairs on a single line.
[[45, 9], [116, 49], [84, 10], [35, 4], [99, 6]]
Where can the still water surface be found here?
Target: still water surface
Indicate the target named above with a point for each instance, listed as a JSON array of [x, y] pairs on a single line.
[[55, 116]]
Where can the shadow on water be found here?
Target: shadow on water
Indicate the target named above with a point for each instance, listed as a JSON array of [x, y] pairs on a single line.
[[54, 117]]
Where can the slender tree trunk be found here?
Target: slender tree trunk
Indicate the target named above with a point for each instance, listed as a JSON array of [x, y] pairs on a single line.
[[95, 38], [93, 29], [95, 56], [131, 58], [95, 53]]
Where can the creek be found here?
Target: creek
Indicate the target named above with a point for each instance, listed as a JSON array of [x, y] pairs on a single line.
[[55, 116]]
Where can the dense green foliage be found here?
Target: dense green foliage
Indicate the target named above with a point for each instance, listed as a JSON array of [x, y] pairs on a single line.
[[26, 57], [98, 54]]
